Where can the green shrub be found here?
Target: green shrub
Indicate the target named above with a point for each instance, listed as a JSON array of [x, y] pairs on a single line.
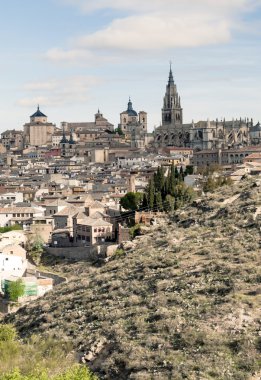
[[135, 231], [7, 333], [15, 289], [119, 252], [16, 227], [75, 373]]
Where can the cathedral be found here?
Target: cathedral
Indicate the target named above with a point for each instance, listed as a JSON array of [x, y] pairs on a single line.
[[203, 134]]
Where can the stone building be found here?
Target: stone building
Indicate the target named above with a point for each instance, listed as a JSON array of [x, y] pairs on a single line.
[[99, 125], [39, 131], [216, 134], [224, 157], [134, 126], [12, 139]]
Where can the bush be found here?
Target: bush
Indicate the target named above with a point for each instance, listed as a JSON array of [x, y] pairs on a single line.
[[15, 289], [7, 333], [38, 358], [16, 227], [134, 231], [75, 373]]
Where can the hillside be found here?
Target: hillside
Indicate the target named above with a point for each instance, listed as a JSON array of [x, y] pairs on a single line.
[[182, 303]]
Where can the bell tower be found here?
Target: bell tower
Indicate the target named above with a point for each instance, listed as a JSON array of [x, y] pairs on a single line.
[[171, 112]]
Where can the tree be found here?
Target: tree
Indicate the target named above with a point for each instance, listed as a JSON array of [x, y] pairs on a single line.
[[172, 180], [158, 202], [119, 131], [151, 193], [189, 170], [15, 289], [169, 203], [131, 201]]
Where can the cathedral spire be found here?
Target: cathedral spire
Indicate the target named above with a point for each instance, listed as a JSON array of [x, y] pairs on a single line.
[[171, 80]]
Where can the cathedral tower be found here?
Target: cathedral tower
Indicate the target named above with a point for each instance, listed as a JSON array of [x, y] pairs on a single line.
[[171, 111]]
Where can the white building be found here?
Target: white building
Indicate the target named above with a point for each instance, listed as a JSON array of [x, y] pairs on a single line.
[[23, 216], [12, 197], [12, 265]]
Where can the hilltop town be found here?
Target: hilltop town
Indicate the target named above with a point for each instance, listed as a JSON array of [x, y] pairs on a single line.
[[63, 189], [139, 248]]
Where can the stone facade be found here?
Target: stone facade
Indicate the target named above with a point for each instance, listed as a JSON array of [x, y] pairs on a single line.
[[216, 134], [12, 139], [134, 126], [38, 132]]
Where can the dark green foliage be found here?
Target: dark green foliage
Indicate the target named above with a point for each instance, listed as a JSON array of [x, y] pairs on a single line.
[[151, 193], [167, 191], [119, 131], [131, 201], [188, 170]]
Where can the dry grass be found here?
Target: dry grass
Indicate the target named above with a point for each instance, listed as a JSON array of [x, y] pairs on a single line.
[[183, 304]]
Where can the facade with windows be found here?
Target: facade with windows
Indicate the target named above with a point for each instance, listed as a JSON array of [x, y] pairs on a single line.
[[215, 134]]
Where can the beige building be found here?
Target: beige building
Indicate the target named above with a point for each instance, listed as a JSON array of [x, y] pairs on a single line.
[[12, 139], [228, 157], [91, 231], [39, 131], [84, 129]]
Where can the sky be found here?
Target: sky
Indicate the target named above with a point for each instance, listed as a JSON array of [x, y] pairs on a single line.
[[74, 56]]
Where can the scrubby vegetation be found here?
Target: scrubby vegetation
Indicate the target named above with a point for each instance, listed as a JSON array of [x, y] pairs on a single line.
[[38, 359], [182, 302], [15, 227]]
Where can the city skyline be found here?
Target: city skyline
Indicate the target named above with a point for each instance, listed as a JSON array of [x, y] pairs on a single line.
[[74, 56]]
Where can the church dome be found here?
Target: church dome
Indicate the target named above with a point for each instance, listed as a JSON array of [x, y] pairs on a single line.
[[130, 111], [38, 113]]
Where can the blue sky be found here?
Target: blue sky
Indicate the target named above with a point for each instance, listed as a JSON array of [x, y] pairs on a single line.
[[75, 56]]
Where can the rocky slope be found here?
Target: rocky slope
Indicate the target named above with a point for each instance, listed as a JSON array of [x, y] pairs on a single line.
[[183, 302]]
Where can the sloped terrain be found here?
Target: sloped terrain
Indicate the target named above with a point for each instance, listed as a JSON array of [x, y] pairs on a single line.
[[182, 303]]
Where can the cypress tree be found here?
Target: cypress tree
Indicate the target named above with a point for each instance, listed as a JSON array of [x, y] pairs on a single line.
[[144, 201], [158, 202], [172, 180], [151, 193], [181, 173]]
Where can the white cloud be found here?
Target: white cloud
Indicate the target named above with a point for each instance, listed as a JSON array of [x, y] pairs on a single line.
[[69, 56], [153, 25], [59, 92], [138, 6], [158, 31]]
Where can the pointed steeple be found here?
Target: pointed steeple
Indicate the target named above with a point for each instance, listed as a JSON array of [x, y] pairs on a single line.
[[71, 140], [64, 139], [171, 80]]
